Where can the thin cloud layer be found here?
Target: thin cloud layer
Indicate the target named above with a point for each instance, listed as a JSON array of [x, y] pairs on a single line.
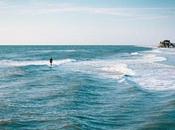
[[41, 8], [92, 21]]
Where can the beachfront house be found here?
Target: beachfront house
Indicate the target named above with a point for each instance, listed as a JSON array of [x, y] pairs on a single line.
[[166, 44]]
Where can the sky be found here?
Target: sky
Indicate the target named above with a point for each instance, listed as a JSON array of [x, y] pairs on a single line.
[[140, 22]]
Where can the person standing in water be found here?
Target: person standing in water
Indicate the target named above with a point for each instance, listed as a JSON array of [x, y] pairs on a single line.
[[51, 61]]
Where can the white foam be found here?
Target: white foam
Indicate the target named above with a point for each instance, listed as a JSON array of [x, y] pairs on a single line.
[[47, 51], [153, 58], [150, 72], [170, 51], [134, 53], [157, 81], [157, 50], [154, 76], [118, 70], [7, 63], [152, 83], [146, 70], [66, 50], [121, 80], [103, 68]]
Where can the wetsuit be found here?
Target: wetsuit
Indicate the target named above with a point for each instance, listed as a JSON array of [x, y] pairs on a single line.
[[51, 60]]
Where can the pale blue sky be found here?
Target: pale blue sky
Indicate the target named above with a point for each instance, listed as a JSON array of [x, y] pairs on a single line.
[[141, 22]]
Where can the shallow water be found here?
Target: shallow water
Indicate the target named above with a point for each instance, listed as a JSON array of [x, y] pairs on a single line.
[[88, 87]]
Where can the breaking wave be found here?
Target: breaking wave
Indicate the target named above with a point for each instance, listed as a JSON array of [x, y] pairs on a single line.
[[117, 71], [156, 77], [102, 68], [8, 63], [134, 53], [153, 58], [151, 73]]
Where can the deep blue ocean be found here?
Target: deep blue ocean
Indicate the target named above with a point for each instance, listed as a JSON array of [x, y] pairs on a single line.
[[87, 88]]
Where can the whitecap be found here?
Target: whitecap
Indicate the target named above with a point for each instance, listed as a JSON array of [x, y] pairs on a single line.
[[157, 51], [48, 51], [154, 76], [7, 63], [66, 50], [121, 80], [103, 68], [118, 70], [153, 58], [134, 53]]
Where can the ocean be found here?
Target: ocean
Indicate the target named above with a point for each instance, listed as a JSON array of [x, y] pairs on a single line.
[[87, 88]]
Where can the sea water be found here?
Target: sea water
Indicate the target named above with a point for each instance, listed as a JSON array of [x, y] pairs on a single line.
[[87, 88]]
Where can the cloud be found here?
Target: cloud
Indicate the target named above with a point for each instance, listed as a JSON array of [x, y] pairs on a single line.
[[42, 8], [131, 13]]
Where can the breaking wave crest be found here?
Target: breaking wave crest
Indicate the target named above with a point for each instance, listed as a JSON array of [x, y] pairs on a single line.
[[117, 71], [153, 58], [102, 68], [8, 63], [134, 53], [152, 74], [156, 77]]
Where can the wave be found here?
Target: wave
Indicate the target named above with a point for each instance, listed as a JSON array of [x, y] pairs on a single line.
[[154, 76], [134, 53], [10, 72], [151, 73], [157, 51], [102, 68], [48, 51], [146, 70], [153, 58], [5, 121], [7, 63], [159, 80], [168, 51], [118, 70]]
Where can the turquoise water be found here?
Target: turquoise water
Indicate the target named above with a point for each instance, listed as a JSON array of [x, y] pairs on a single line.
[[88, 88]]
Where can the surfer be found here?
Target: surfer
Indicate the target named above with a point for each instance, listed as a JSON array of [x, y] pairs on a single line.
[[51, 60]]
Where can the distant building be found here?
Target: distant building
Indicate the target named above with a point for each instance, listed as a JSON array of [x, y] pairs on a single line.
[[166, 44]]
